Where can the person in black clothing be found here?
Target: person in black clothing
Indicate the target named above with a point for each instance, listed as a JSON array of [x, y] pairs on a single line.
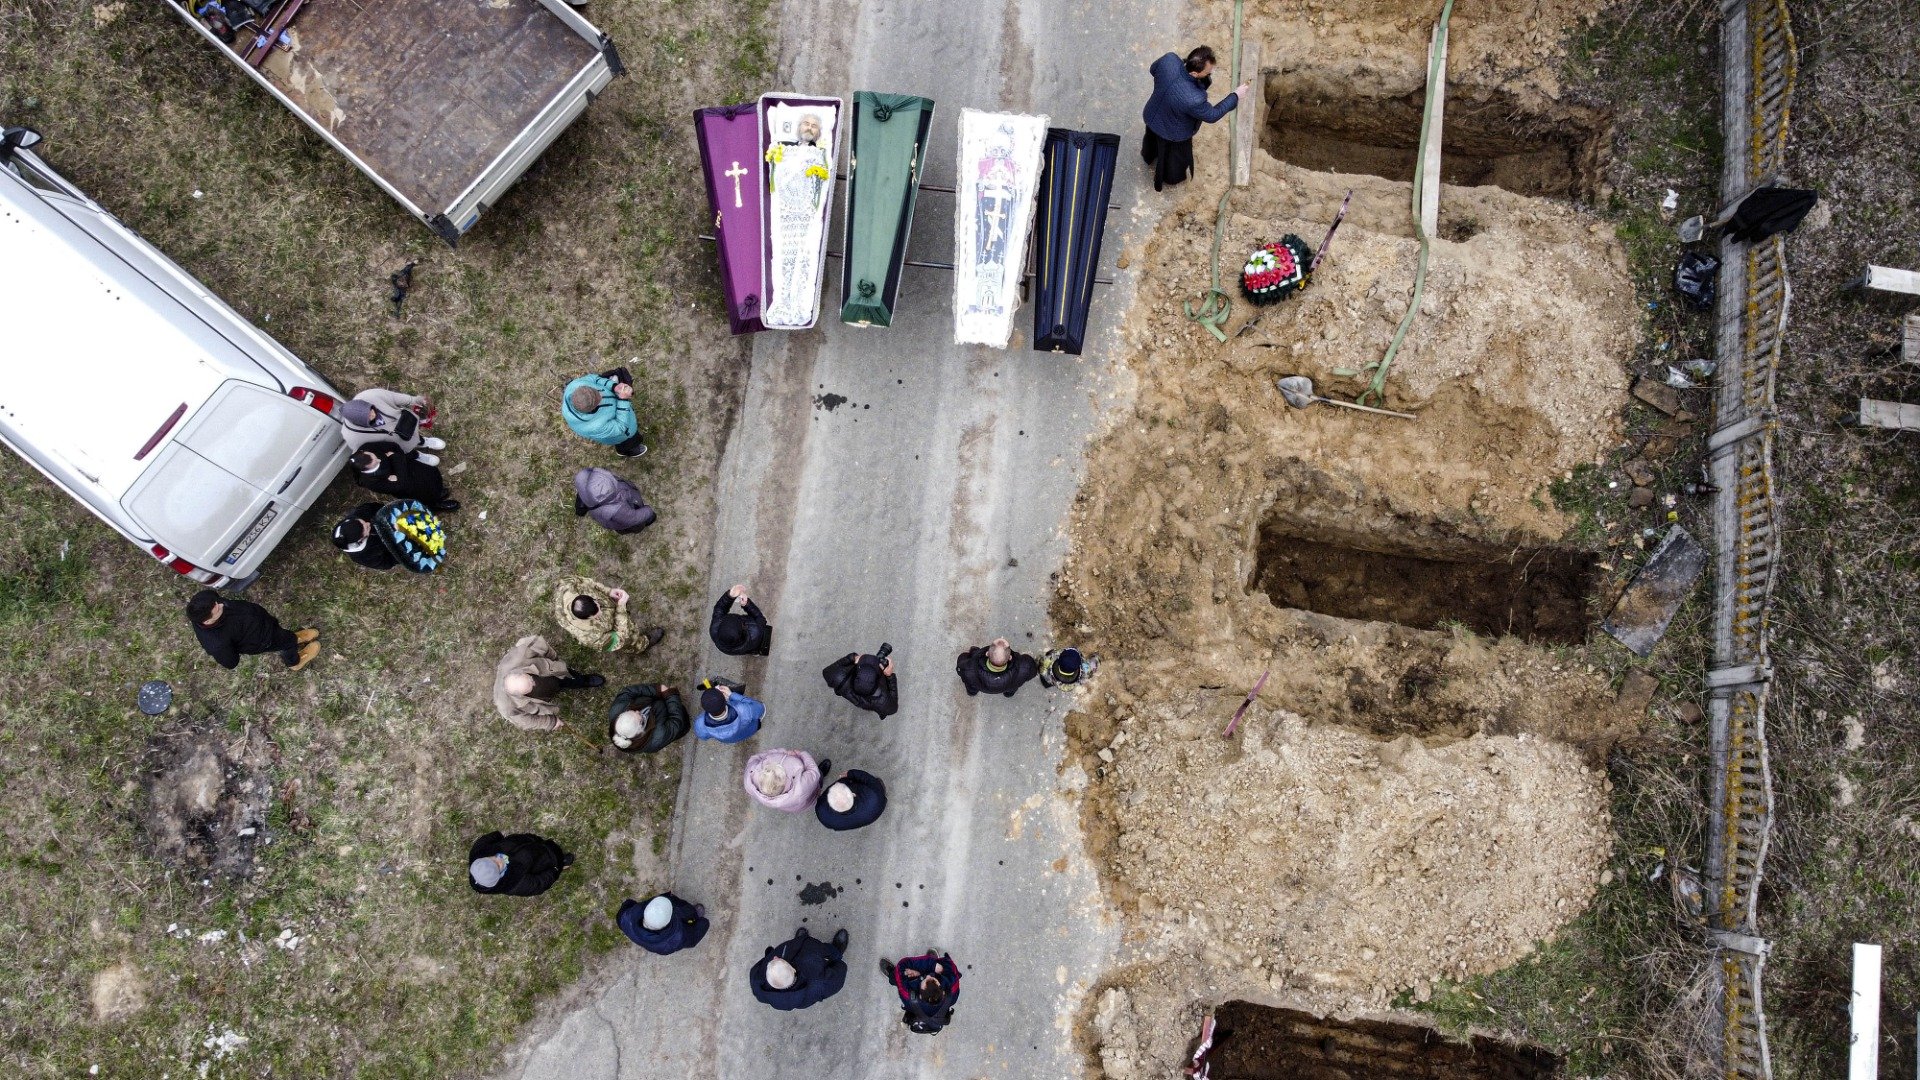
[[853, 801], [522, 864], [867, 681], [740, 635], [646, 719], [929, 988], [663, 925], [995, 669], [229, 629], [801, 971], [385, 469], [354, 535]]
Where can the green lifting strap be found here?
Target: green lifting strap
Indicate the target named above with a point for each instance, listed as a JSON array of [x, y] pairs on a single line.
[[1216, 306]]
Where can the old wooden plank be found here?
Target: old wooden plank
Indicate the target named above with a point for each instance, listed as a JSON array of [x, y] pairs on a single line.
[[1910, 345], [1889, 414], [1890, 279], [1252, 114]]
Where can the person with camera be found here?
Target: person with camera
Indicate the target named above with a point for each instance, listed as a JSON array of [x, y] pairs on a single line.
[[867, 681], [376, 415]]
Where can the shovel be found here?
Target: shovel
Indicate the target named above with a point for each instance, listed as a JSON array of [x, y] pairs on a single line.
[[1298, 390]]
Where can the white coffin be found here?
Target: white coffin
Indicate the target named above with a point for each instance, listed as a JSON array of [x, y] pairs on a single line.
[[993, 220]]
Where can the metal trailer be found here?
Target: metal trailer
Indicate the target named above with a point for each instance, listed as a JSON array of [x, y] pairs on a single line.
[[443, 103]]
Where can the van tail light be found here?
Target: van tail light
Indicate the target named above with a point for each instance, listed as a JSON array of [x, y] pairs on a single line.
[[324, 402], [184, 568]]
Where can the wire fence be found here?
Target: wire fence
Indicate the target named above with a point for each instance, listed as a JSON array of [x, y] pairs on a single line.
[[1760, 66]]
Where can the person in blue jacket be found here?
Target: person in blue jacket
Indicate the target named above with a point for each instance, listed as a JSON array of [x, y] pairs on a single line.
[[599, 408], [727, 716], [800, 971], [663, 925], [1177, 109], [851, 802]]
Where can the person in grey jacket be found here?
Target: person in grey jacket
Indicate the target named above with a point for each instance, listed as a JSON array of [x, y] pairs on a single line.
[[376, 415], [1177, 109], [610, 501]]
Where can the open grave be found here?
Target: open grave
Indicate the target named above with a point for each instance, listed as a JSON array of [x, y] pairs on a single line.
[[1261, 1043], [1489, 137], [1536, 594]]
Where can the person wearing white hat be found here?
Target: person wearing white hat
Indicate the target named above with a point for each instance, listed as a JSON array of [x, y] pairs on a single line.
[[665, 924], [853, 801], [786, 780], [646, 719], [800, 972]]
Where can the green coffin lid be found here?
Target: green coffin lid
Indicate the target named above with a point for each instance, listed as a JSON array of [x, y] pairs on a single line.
[[883, 182]]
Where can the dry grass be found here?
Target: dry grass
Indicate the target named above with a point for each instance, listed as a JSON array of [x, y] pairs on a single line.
[[399, 755]]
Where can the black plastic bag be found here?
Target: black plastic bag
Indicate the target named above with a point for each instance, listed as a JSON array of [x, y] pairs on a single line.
[[1695, 279], [1770, 210]]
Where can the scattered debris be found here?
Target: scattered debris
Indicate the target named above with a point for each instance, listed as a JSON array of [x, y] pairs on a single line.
[[402, 281], [1659, 396], [1655, 594]]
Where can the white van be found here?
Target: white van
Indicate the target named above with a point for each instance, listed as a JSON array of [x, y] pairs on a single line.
[[144, 396]]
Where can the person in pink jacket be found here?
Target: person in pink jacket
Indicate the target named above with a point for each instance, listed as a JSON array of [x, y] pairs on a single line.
[[787, 780]]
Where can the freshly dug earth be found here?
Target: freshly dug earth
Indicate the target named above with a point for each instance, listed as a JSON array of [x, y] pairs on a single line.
[[1257, 1043]]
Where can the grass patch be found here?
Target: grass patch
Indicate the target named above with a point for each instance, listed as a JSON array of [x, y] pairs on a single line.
[[386, 756]]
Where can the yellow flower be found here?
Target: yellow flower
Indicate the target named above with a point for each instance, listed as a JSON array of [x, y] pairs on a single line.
[[818, 172], [774, 153]]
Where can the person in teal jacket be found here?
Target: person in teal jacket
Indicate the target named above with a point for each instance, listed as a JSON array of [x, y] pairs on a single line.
[[727, 716], [600, 408]]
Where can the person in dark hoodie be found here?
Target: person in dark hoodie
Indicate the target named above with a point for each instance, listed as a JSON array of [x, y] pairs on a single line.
[[385, 469], [354, 535], [929, 988], [522, 864], [646, 719], [1177, 109], [230, 628], [611, 502], [851, 802], [663, 925], [995, 669], [747, 634], [800, 971], [867, 681]]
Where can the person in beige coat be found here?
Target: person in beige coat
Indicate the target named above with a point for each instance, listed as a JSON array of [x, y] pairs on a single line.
[[528, 681], [596, 616]]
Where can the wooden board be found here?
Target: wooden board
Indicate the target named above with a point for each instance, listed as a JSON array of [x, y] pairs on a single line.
[[1910, 343], [1889, 414], [1251, 114], [1888, 279]]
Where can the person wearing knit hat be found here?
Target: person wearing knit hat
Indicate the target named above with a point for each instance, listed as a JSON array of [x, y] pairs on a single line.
[[354, 535], [1067, 667], [599, 408], [596, 616], [727, 716], [867, 681], [376, 415], [745, 634], [646, 719], [995, 669], [663, 925], [523, 864], [786, 780], [851, 802], [800, 972]]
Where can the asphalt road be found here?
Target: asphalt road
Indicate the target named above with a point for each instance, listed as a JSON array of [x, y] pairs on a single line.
[[888, 485]]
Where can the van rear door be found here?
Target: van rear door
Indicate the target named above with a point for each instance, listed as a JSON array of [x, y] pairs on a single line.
[[192, 506]]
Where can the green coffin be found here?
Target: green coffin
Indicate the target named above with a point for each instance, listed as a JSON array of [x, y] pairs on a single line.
[[883, 179]]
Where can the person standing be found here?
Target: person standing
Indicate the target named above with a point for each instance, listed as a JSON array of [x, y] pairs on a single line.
[[786, 780], [1067, 667], [528, 680], [866, 681], [596, 616], [354, 536], [745, 634], [727, 716], [599, 408], [1177, 109], [929, 988], [851, 802], [229, 628], [376, 415], [800, 972], [522, 864], [995, 669], [646, 719], [385, 469], [611, 502], [663, 925]]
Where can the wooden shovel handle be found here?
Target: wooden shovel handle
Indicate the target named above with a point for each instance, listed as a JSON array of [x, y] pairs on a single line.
[[1366, 408]]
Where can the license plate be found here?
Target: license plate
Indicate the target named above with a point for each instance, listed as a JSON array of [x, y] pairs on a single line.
[[253, 533]]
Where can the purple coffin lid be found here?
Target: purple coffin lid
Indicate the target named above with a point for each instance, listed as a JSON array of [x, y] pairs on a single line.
[[729, 141]]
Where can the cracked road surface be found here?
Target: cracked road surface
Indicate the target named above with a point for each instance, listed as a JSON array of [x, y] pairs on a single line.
[[888, 485]]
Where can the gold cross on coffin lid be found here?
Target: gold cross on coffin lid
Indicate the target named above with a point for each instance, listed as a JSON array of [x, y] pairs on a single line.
[[735, 174]]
